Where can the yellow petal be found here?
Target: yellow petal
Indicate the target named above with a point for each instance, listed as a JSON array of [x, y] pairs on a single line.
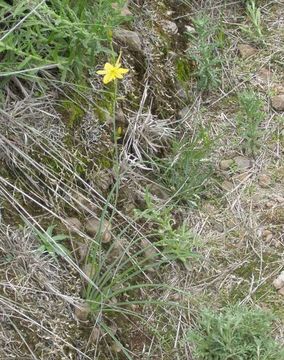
[[108, 67], [101, 72], [108, 78], [123, 71]]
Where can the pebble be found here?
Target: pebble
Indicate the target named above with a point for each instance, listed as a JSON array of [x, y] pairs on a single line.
[[278, 283], [242, 162], [281, 291], [264, 75], [83, 204], [73, 224], [277, 102], [82, 250], [82, 312], [95, 335], [264, 181], [226, 164], [129, 38], [227, 185], [246, 50], [169, 27], [190, 29], [185, 112], [93, 226]]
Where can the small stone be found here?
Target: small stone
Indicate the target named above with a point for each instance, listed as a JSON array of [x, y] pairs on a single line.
[[149, 250], [264, 181], [246, 50], [267, 235], [185, 112], [82, 251], [82, 312], [169, 27], [227, 185], [226, 164], [116, 347], [277, 102], [129, 38], [190, 29], [281, 291], [264, 75], [94, 226], [83, 204], [242, 162], [95, 335], [73, 224], [279, 281]]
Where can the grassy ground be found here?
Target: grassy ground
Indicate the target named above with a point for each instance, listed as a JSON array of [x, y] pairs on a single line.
[[141, 219]]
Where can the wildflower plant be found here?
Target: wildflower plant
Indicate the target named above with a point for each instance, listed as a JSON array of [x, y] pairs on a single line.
[[112, 72]]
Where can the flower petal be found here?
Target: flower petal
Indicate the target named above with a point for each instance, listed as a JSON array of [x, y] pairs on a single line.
[[101, 72], [108, 67], [108, 78], [123, 71]]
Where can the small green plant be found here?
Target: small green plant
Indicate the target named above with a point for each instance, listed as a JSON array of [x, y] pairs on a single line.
[[249, 118], [177, 242], [64, 35], [203, 52], [253, 12], [237, 333], [50, 242], [186, 171]]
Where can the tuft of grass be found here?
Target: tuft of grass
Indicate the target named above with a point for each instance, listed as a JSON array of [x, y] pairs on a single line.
[[65, 35], [249, 119], [177, 243], [254, 15], [236, 333], [203, 52], [186, 171]]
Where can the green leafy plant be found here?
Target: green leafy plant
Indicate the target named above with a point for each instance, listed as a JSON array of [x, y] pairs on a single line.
[[203, 52], [236, 333], [249, 119], [253, 12], [186, 171], [65, 35], [50, 242], [177, 242]]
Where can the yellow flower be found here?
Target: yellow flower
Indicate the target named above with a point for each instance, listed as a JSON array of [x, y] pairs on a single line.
[[112, 72]]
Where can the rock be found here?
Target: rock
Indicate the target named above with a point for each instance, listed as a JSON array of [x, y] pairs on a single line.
[[281, 291], [227, 185], [190, 29], [267, 235], [264, 181], [169, 26], [129, 38], [149, 250], [278, 283], [82, 312], [73, 224], [277, 102], [242, 162], [226, 164], [185, 112], [264, 75], [116, 347], [95, 335], [83, 204], [94, 226], [82, 251], [246, 50]]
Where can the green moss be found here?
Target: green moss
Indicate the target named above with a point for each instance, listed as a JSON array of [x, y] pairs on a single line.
[[183, 69], [72, 113]]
